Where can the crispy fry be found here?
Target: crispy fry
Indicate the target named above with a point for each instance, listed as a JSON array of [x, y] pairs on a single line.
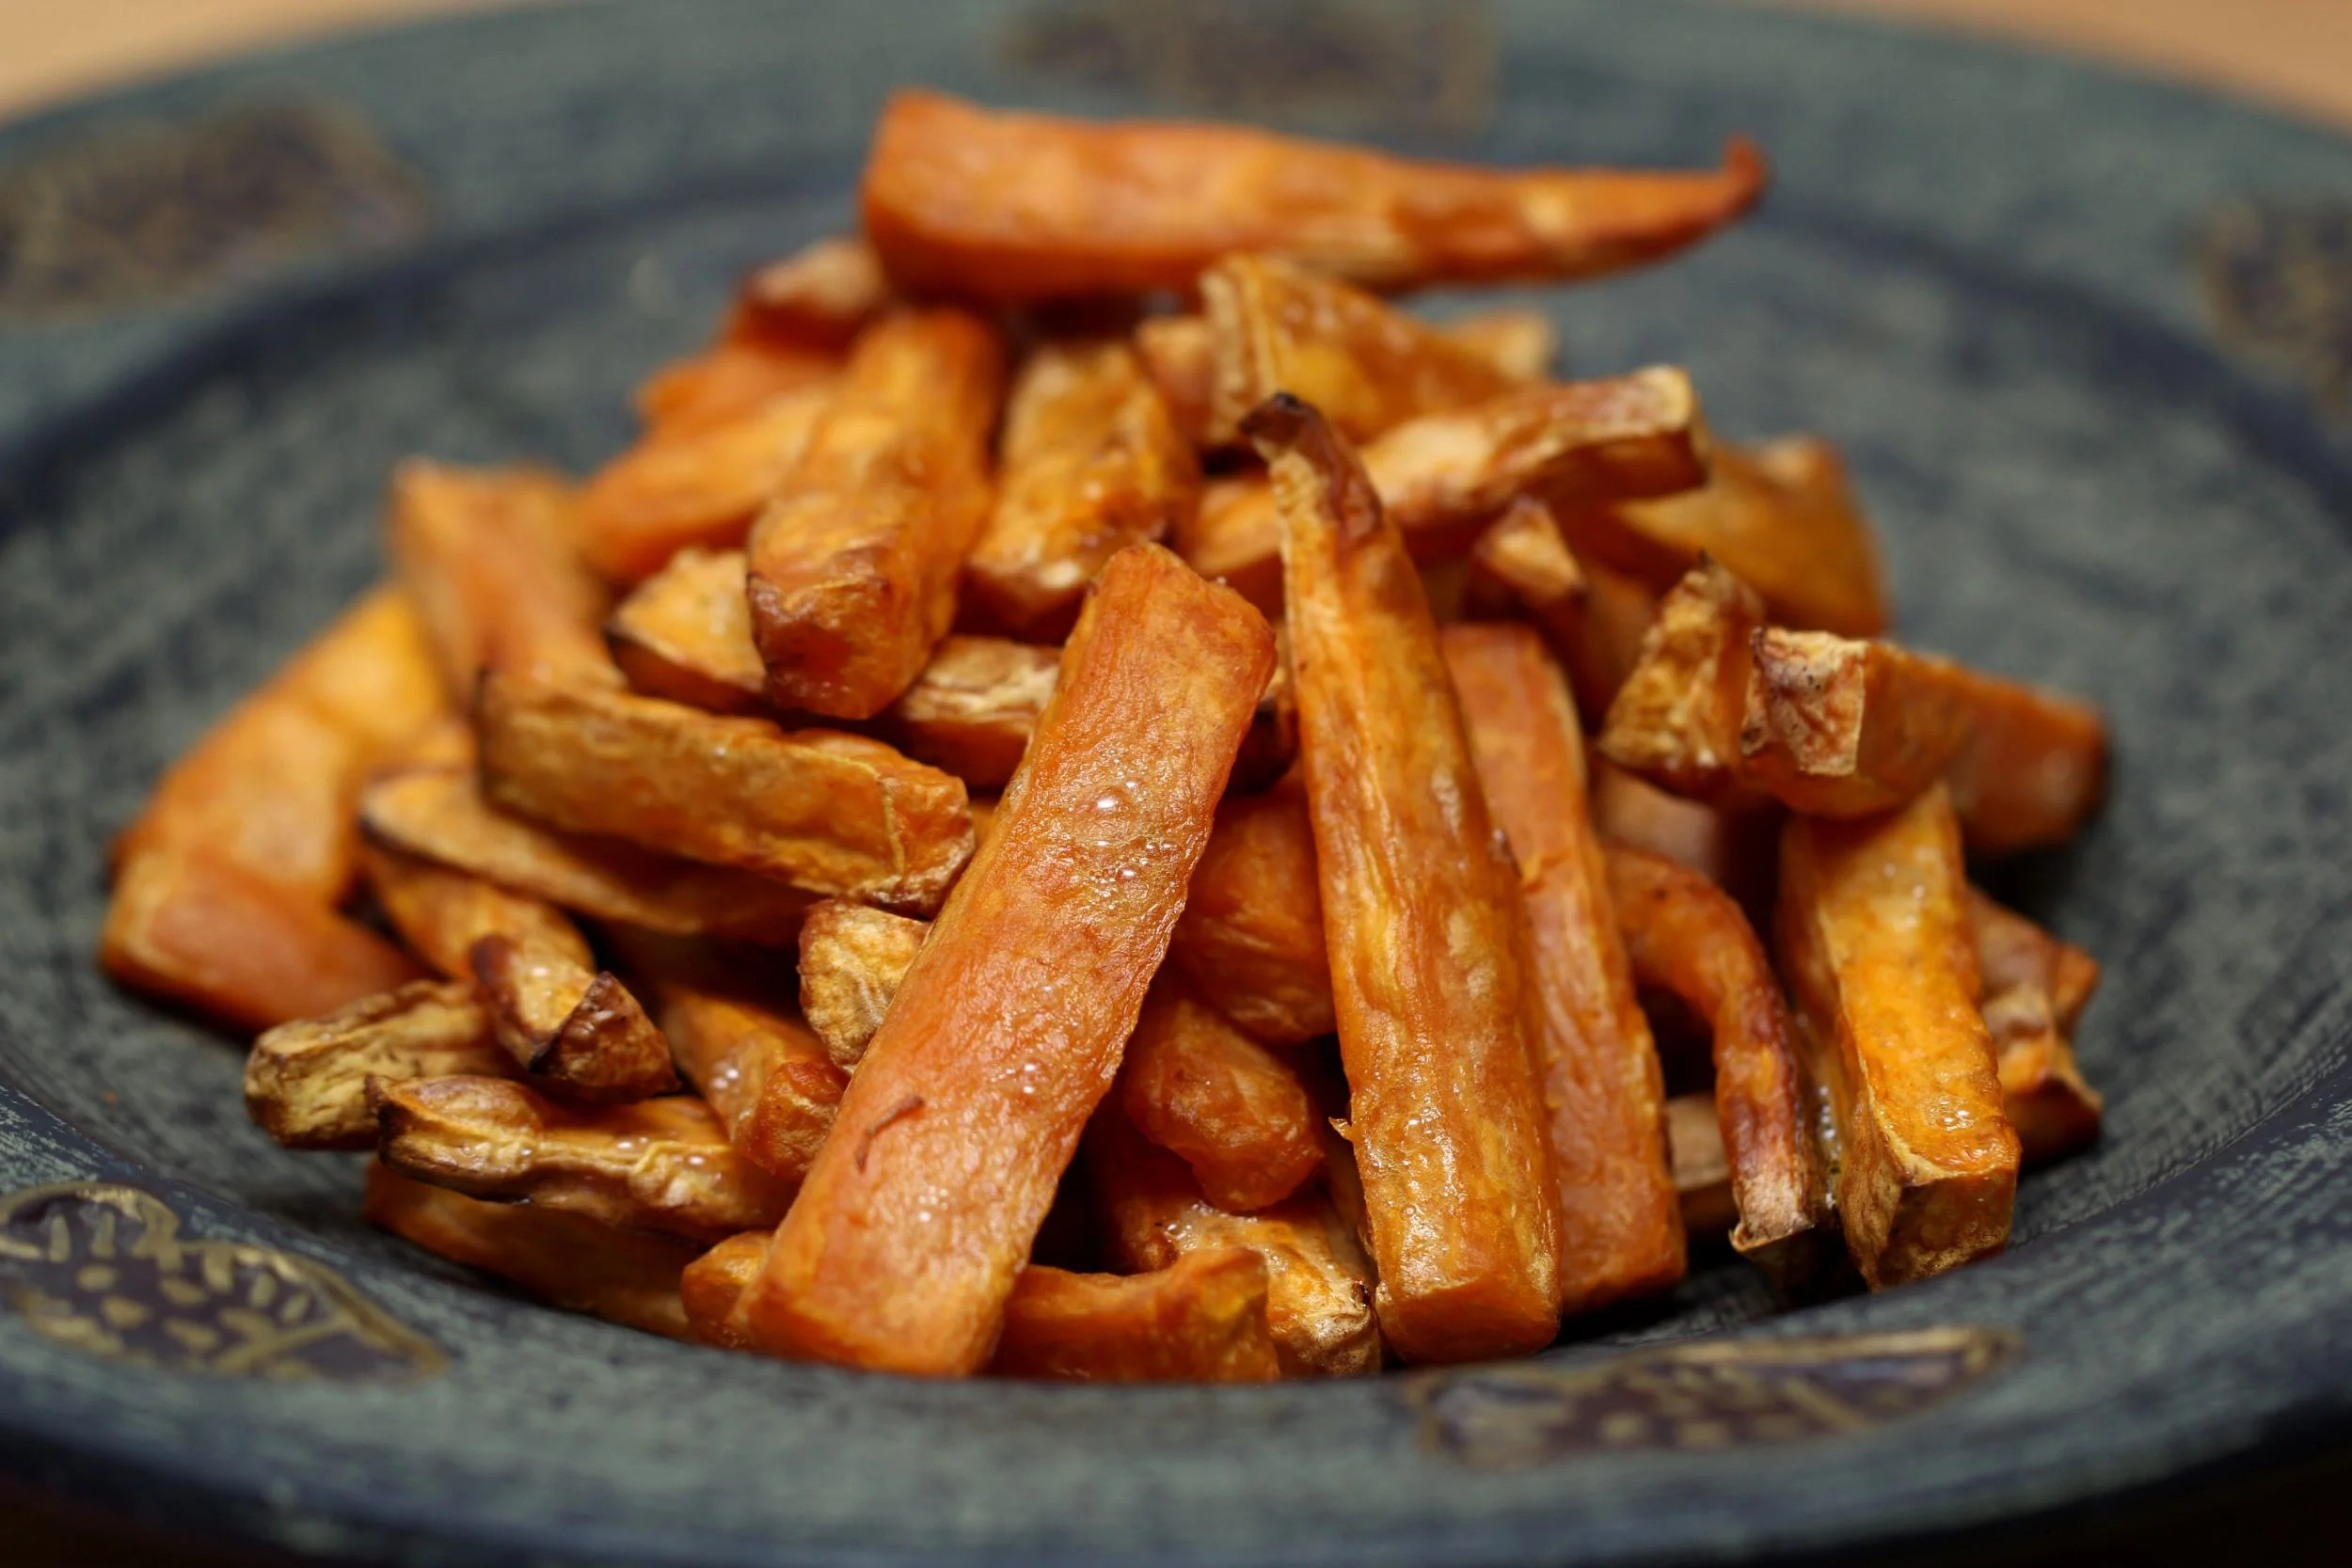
[[1442, 477], [722, 384], [1676, 719], [1702, 1167], [568, 1261], [1200, 1319], [577, 1031], [442, 913], [832, 812], [962, 199], [1593, 618], [1236, 1112], [1426, 926], [685, 633], [1319, 1284], [974, 707], [852, 961], [2034, 765], [967, 1106], [1092, 461], [819, 297], [1251, 942], [1836, 727], [656, 1164], [305, 1083], [2012, 950], [1686, 936], [1873, 939], [713, 1285], [853, 565], [701, 484], [2035, 989], [490, 557]]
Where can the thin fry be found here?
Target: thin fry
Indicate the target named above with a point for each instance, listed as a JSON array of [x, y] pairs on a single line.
[[442, 913], [2033, 768], [1593, 618], [305, 1083]]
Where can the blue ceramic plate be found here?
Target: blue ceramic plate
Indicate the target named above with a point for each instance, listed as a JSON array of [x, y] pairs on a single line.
[[2017, 291]]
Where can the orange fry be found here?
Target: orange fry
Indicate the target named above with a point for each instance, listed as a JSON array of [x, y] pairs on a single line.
[[819, 297], [903, 1246], [1676, 719], [966, 200], [1200, 1319], [442, 913], [853, 565], [1426, 926], [490, 557], [1251, 942], [305, 1083], [2033, 768], [578, 1032], [685, 633], [2035, 989], [1236, 1112], [712, 1287], [1702, 1167], [1593, 617], [852, 959], [972, 711], [722, 384], [1836, 727], [1523, 344]]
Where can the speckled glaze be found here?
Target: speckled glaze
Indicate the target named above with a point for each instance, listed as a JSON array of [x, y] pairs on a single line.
[[1973, 273]]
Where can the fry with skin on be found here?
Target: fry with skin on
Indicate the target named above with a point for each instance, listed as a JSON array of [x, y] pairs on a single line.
[[999, 206], [972, 711], [305, 1083], [440, 913], [1442, 477], [1873, 938], [685, 633], [903, 1246], [1523, 344], [1593, 618], [578, 1264], [831, 813], [2033, 768], [854, 563], [1836, 727], [1236, 1112], [577, 1031], [2035, 989], [1090, 462], [819, 297], [1200, 1319], [852, 959], [656, 1164], [1620, 1226], [1251, 942], [1676, 719], [1702, 1167], [713, 1285], [722, 384], [1686, 936], [1426, 925]]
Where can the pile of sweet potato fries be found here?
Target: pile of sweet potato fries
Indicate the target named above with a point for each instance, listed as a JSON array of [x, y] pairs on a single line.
[[631, 873]]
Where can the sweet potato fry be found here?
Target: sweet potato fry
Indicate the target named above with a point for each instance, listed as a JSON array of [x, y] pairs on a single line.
[[1442, 477], [904, 1244], [1676, 719], [1702, 1167], [491, 558], [852, 959], [575, 1263], [1200, 1319], [2012, 950], [1620, 1227], [1090, 462], [1873, 938], [725, 383], [1319, 1284], [656, 1164], [999, 206], [819, 297], [1276, 327], [1236, 1112], [1593, 618], [974, 707], [1251, 942], [832, 812], [854, 564], [1426, 926], [1630, 811], [701, 484], [685, 633], [577, 1031], [442, 913], [305, 1083], [1836, 727], [1523, 344], [1687, 938], [2033, 766], [2035, 989], [712, 1287]]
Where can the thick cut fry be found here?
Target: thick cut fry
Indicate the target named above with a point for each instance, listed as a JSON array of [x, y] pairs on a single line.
[[702, 485], [1444, 477], [1004, 1036], [1702, 1167], [1873, 938], [819, 297], [565, 1261], [658, 1164], [853, 565], [974, 707], [577, 1031], [965, 201], [712, 1287], [202, 931], [725, 383], [1200, 1319], [1593, 618], [2035, 989], [491, 558], [852, 959], [1523, 344], [1276, 327], [1092, 461], [442, 913], [2034, 765], [1676, 719], [1620, 1227], [1236, 1112], [1251, 941], [1425, 925], [1319, 1284], [1836, 727], [832, 812], [305, 1083], [685, 633], [1687, 938]]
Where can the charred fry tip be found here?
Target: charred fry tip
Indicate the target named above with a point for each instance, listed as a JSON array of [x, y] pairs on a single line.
[[1285, 424]]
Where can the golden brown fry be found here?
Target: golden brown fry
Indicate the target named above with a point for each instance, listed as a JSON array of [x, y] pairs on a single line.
[[1620, 1226], [1873, 938], [1702, 1167], [1090, 461], [491, 558], [853, 565], [305, 1083], [1251, 942], [685, 633], [1426, 923], [700, 484], [1686, 936], [1676, 719], [1523, 344], [442, 913], [2033, 766], [575, 1263], [832, 812], [956, 1129], [1442, 477], [974, 707], [1200, 1319], [1593, 618], [2035, 989], [1001, 206], [852, 961], [577, 1031], [1276, 327], [713, 1285], [2012, 950], [1836, 727], [656, 1164], [819, 297], [724, 384], [1718, 844], [1236, 1112]]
